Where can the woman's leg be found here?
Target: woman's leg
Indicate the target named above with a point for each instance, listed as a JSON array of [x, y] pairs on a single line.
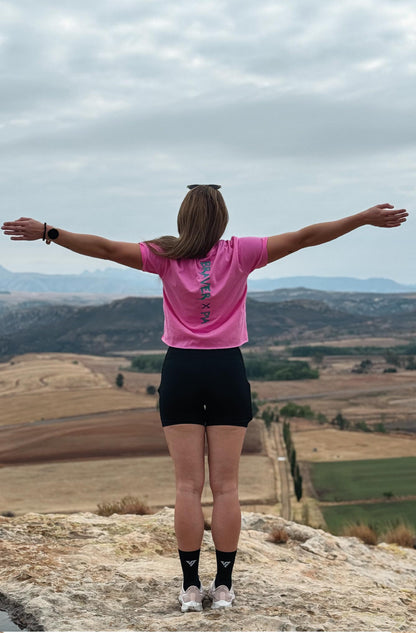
[[224, 449], [186, 443]]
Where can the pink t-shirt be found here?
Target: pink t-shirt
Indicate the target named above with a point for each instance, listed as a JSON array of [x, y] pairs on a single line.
[[204, 300]]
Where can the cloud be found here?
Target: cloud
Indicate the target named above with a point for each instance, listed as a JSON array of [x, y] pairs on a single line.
[[114, 104]]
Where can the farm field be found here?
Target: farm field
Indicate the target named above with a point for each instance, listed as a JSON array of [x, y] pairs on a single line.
[[79, 486], [372, 397], [70, 439], [322, 443], [380, 516], [364, 479], [48, 386], [380, 492]]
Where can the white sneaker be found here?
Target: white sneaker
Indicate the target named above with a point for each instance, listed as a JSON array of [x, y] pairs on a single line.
[[191, 599], [221, 596]]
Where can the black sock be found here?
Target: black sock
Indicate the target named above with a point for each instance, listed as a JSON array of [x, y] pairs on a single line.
[[225, 564], [190, 562]]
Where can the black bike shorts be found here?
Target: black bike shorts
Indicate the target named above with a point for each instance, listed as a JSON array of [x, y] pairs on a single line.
[[204, 386]]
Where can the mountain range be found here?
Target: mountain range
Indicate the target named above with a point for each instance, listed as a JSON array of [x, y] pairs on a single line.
[[127, 281]]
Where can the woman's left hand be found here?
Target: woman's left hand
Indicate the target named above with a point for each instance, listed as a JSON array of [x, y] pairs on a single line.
[[24, 229], [384, 215]]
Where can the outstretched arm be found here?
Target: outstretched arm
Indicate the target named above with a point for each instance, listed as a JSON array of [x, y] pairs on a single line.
[[127, 253], [382, 215]]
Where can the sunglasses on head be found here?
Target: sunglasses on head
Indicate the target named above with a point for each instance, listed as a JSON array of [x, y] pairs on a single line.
[[213, 186]]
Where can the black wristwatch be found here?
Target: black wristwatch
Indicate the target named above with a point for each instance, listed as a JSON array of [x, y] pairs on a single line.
[[53, 234]]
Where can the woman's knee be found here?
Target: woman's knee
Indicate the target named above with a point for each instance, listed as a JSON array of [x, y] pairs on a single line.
[[190, 487], [223, 487]]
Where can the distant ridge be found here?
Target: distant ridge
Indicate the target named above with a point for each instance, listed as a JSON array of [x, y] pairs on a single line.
[[136, 323], [137, 283], [331, 284]]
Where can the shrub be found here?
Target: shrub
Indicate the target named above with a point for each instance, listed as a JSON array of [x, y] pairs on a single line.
[[278, 535], [391, 357], [127, 505], [148, 363], [410, 364], [268, 366], [150, 390], [292, 410], [361, 425], [401, 534], [268, 415], [362, 531], [254, 404], [363, 367], [340, 421], [119, 380]]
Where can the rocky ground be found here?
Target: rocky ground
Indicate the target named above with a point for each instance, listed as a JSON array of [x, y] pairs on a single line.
[[84, 572]]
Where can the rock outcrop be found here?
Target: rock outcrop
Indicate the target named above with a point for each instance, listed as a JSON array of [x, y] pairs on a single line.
[[84, 572]]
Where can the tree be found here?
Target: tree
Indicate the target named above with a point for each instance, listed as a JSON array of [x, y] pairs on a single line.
[[391, 357], [293, 461], [298, 483], [362, 425], [268, 416], [254, 403], [119, 380], [340, 421], [410, 364]]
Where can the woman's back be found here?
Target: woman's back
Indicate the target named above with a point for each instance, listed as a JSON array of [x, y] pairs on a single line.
[[204, 298]]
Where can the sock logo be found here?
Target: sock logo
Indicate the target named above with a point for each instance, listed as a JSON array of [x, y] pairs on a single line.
[[225, 562], [191, 562]]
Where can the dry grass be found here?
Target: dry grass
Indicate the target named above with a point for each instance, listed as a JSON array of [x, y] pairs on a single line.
[[127, 505], [278, 536], [335, 445], [207, 524], [401, 534], [362, 531], [48, 386], [77, 485]]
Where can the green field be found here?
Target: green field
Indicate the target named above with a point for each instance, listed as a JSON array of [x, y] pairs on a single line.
[[364, 479], [378, 515]]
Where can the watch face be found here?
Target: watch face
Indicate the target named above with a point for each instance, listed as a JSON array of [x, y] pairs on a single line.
[[53, 234]]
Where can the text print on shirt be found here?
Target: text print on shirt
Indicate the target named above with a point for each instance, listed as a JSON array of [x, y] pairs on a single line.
[[205, 288]]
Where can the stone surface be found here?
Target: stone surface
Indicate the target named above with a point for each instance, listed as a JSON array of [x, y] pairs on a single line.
[[84, 572]]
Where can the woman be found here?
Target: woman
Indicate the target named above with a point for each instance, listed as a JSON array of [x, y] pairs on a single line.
[[204, 389]]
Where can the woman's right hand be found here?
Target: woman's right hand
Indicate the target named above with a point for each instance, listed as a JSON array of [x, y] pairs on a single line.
[[24, 229]]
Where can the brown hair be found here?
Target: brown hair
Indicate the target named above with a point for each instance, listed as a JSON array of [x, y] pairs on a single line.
[[202, 219]]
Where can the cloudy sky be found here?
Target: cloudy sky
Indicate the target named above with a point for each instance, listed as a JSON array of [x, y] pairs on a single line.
[[303, 111]]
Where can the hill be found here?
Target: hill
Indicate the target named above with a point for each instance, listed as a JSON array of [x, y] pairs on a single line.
[[368, 303], [136, 323]]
